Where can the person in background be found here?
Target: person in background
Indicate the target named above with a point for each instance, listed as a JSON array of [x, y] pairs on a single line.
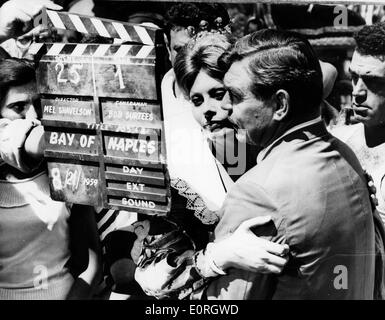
[[239, 25], [254, 24], [341, 98], [367, 137], [48, 249], [55, 254]]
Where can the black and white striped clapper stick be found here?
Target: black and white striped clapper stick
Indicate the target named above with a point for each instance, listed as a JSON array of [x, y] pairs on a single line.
[[94, 50], [101, 27]]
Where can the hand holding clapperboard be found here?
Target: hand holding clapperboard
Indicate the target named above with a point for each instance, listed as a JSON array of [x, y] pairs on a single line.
[[102, 115]]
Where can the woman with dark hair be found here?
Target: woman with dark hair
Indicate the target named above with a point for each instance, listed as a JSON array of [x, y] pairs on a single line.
[[200, 78], [44, 252]]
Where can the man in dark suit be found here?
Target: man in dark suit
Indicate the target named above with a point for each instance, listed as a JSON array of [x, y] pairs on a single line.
[[309, 182]]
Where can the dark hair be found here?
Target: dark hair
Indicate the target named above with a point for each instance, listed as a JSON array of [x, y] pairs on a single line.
[[15, 72], [280, 60], [4, 54], [183, 15], [370, 40], [200, 53], [256, 21]]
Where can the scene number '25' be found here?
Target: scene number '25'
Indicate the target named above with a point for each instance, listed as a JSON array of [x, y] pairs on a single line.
[[73, 74]]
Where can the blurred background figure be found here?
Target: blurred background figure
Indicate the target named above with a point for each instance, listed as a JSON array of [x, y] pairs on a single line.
[[341, 99], [254, 24], [238, 25]]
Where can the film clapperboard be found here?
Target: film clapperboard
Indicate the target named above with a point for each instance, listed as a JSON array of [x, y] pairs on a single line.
[[102, 117]]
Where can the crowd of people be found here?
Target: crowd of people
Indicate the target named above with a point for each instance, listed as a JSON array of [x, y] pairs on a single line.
[[274, 205]]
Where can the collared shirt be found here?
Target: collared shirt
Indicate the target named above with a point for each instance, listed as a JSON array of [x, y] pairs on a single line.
[[266, 150]]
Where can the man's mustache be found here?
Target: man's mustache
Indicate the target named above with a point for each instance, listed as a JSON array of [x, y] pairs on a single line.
[[224, 123]]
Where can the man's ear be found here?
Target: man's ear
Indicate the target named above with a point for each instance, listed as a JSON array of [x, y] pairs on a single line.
[[282, 106]]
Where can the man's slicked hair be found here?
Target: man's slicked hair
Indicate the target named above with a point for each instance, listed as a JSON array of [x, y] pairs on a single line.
[[280, 60], [370, 40]]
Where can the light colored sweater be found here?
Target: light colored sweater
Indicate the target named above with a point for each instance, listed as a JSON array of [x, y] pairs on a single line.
[[34, 241]]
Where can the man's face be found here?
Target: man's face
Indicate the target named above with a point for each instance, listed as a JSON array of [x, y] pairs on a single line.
[[368, 79], [252, 117], [21, 102], [178, 38]]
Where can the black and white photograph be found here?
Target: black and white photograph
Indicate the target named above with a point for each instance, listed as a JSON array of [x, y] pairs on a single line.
[[155, 151]]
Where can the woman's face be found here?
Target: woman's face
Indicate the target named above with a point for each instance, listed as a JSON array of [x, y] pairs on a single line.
[[207, 96], [20, 102]]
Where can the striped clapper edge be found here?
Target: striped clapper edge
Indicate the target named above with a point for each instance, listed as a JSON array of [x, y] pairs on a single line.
[[109, 220], [94, 50], [107, 28]]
